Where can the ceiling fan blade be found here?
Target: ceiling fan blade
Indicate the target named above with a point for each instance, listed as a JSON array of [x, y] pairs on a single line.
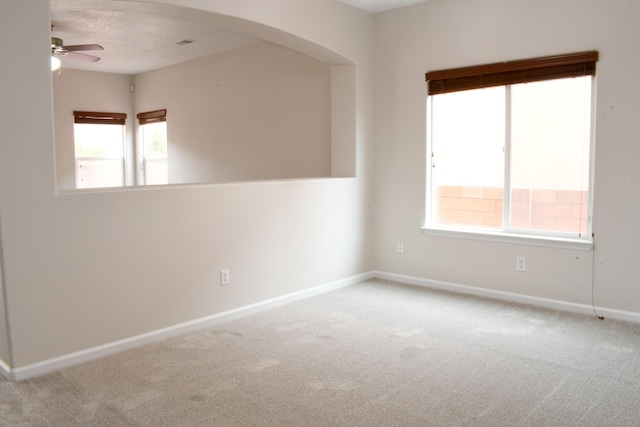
[[82, 56], [81, 47]]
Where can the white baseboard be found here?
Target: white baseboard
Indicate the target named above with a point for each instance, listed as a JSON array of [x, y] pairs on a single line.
[[51, 365], [5, 371], [627, 316]]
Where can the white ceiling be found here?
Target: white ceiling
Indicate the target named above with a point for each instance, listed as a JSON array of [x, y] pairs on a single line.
[[138, 37]]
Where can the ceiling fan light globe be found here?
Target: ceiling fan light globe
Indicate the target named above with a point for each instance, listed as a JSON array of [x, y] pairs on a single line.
[[55, 63]]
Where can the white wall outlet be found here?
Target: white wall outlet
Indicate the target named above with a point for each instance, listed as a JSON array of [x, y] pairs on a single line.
[[521, 263], [400, 248], [224, 277]]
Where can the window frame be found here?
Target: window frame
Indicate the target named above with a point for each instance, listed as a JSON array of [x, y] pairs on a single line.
[[101, 118], [506, 74]]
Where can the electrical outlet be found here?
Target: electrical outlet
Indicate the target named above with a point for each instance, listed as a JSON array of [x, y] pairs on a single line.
[[521, 263], [400, 248], [224, 277]]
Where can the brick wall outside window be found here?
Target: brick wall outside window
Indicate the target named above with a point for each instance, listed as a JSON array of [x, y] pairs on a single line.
[[539, 209]]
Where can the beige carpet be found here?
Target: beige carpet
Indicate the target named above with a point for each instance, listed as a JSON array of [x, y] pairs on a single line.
[[372, 354]]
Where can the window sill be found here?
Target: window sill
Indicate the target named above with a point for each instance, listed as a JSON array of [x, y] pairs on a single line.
[[519, 239]]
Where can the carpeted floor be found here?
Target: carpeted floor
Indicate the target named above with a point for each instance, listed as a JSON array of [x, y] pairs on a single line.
[[372, 354]]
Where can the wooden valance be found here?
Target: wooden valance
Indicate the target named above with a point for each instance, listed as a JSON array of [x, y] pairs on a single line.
[[504, 73], [152, 117], [99, 118]]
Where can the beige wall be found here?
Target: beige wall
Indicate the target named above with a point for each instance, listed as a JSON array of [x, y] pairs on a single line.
[[260, 111], [441, 34], [88, 268]]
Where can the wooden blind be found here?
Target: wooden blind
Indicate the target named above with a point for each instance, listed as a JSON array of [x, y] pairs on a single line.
[[97, 118], [504, 73], [152, 117]]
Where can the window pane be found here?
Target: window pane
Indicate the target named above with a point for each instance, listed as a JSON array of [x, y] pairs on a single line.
[[92, 173], [99, 140], [99, 151], [155, 171], [154, 153], [154, 136], [550, 140], [468, 133]]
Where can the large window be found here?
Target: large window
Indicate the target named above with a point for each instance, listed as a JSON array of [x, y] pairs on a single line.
[[153, 147], [99, 149], [510, 147]]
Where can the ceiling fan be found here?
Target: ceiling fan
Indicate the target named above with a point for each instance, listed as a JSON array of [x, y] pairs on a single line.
[[59, 49]]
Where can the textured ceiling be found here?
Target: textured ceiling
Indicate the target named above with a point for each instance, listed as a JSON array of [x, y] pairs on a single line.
[[136, 40], [140, 36]]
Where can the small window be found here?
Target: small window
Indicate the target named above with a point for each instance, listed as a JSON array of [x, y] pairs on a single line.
[[510, 147], [99, 149], [153, 137]]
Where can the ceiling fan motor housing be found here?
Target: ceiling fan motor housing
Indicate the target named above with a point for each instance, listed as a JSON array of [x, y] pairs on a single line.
[[57, 46]]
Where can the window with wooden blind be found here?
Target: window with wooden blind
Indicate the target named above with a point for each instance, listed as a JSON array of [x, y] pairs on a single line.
[[153, 147], [99, 140], [510, 148]]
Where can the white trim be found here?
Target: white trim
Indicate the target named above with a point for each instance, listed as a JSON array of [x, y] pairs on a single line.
[[627, 316], [519, 239], [67, 360], [511, 235], [51, 365], [5, 371]]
